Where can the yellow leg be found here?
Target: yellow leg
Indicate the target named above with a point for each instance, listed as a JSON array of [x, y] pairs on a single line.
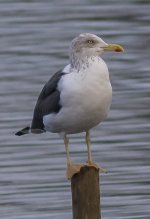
[[71, 168], [88, 142], [90, 162], [66, 142]]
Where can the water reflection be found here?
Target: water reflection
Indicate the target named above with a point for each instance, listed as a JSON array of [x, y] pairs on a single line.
[[34, 41]]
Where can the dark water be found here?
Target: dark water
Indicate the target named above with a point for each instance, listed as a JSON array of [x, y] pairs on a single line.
[[34, 40]]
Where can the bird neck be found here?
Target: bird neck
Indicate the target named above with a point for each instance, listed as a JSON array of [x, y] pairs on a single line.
[[80, 62]]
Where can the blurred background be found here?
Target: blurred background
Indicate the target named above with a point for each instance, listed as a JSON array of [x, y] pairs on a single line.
[[34, 40]]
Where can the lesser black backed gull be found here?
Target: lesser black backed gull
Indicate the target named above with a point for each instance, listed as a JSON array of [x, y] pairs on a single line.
[[78, 97]]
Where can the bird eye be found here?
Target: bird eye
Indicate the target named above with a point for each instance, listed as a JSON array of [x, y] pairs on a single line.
[[90, 42]]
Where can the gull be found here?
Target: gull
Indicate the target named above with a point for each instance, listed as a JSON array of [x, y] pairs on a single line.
[[76, 98]]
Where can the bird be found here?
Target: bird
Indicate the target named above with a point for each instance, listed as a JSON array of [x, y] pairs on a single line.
[[76, 98]]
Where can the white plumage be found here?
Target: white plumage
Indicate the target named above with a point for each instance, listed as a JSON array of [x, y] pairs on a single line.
[[85, 97], [77, 98]]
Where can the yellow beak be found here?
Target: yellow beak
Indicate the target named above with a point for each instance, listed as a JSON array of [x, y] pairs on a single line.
[[114, 47]]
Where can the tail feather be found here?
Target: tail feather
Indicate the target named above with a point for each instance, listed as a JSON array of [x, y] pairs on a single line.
[[23, 131]]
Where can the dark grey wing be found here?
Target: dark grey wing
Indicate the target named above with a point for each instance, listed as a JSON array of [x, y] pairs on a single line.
[[48, 102]]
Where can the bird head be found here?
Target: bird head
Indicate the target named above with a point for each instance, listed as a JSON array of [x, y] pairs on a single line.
[[87, 44]]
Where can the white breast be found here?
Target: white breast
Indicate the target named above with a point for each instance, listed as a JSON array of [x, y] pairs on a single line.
[[85, 98]]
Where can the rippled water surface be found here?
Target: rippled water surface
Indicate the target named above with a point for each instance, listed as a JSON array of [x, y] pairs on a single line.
[[34, 40]]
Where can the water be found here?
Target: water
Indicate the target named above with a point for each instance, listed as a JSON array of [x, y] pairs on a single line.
[[34, 40]]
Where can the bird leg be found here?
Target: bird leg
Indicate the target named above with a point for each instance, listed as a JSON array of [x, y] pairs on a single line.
[[66, 142], [88, 142], [90, 162], [71, 168]]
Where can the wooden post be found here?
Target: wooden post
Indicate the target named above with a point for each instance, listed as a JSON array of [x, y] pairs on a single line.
[[86, 193]]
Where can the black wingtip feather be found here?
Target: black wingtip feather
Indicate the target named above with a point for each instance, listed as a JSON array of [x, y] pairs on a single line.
[[23, 131]]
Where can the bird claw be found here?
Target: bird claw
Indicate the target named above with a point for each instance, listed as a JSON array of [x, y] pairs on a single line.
[[73, 169], [92, 164]]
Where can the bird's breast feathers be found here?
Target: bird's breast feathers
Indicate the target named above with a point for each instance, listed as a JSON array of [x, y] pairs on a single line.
[[88, 92], [89, 88], [85, 98]]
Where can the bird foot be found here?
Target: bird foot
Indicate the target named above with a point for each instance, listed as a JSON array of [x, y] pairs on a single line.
[[73, 169], [92, 164]]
